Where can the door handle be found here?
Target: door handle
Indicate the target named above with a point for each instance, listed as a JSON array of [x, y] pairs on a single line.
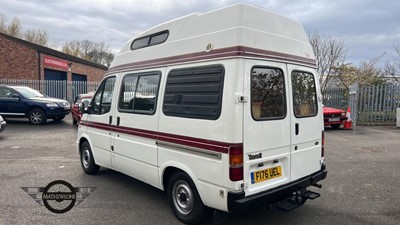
[[110, 120], [118, 120], [296, 127]]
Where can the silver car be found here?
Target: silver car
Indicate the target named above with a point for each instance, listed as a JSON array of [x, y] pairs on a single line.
[[3, 124]]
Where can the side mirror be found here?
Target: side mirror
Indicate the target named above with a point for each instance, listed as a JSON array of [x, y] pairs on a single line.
[[81, 108]]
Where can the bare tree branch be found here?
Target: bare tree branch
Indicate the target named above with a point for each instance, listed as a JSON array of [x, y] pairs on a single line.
[[330, 54], [96, 52]]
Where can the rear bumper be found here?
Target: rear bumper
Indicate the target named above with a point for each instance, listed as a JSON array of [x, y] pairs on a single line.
[[237, 202]]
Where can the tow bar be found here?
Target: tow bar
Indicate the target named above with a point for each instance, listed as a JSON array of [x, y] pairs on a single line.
[[297, 199]]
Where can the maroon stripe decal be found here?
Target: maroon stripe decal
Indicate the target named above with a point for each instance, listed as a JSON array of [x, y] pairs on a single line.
[[215, 146], [217, 53]]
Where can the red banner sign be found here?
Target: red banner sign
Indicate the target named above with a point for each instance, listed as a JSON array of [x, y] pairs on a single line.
[[49, 61]]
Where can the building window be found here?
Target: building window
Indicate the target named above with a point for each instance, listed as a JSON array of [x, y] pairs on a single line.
[[304, 94], [268, 95], [139, 93], [194, 92]]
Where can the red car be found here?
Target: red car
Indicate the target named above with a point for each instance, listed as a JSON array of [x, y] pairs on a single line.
[[334, 117], [85, 100]]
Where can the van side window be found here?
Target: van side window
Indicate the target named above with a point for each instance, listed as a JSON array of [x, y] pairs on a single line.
[[103, 98], [150, 40], [268, 96], [139, 93], [304, 94], [194, 92]]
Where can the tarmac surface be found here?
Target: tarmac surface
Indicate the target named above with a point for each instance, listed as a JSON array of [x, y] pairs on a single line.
[[362, 186]]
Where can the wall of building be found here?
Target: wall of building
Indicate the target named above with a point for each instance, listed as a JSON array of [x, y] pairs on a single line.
[[92, 73], [17, 61]]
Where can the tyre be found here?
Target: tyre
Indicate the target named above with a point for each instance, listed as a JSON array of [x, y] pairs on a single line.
[[37, 116], [87, 160], [59, 118], [184, 199], [335, 126]]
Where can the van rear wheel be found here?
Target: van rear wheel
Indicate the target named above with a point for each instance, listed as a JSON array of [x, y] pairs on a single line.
[[87, 159], [184, 199]]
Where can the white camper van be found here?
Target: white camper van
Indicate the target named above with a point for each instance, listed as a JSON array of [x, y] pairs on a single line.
[[220, 110]]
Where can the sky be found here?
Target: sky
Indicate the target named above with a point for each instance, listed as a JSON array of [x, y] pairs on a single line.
[[369, 28]]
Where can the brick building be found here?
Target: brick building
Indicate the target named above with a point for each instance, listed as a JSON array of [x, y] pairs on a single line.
[[20, 59]]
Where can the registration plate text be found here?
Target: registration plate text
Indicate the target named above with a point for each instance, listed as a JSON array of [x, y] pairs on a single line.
[[266, 174]]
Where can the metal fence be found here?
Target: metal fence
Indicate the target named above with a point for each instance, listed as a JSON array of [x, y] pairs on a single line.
[[335, 98], [373, 105], [67, 90], [377, 104]]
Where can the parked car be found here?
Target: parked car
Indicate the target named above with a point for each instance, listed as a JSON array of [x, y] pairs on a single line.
[[3, 124], [85, 100], [334, 117], [20, 101]]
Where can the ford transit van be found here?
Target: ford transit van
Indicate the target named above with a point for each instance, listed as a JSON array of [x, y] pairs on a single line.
[[220, 113]]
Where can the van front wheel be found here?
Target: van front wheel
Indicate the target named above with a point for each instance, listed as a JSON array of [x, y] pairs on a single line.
[[184, 199], [87, 159]]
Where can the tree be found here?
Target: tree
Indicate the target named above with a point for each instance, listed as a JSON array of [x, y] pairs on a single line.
[[37, 36], [366, 74], [330, 54], [392, 68], [96, 52], [14, 28]]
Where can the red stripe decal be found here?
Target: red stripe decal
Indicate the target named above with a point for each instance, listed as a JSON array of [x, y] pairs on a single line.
[[217, 53], [215, 146]]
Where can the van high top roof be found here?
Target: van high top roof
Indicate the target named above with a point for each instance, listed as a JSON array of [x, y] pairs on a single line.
[[239, 30]]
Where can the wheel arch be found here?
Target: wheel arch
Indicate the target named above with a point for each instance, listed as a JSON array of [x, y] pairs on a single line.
[[80, 142], [168, 169], [32, 107]]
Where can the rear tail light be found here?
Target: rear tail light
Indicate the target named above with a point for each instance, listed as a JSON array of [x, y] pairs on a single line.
[[236, 163], [323, 145]]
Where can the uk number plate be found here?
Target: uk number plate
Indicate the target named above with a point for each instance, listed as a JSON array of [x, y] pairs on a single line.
[[266, 174], [334, 119]]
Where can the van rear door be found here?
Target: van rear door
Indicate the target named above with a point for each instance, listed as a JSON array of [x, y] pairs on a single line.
[[306, 122], [267, 126]]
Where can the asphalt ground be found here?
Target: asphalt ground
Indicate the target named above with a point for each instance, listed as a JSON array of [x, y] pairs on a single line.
[[362, 186]]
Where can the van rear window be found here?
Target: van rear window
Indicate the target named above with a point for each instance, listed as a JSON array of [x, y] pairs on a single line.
[[268, 95], [304, 94], [194, 92]]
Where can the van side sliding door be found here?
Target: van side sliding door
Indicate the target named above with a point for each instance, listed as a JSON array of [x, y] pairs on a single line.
[[136, 126]]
